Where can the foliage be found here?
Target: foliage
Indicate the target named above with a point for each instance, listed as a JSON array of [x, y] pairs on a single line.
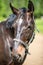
[[39, 24], [5, 9]]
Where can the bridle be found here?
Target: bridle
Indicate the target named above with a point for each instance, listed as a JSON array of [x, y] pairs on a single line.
[[22, 42], [25, 44]]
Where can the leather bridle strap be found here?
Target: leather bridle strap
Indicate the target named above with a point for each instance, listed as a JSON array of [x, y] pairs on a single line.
[[23, 43]]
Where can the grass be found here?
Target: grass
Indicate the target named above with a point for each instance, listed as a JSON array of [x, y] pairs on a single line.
[[38, 22]]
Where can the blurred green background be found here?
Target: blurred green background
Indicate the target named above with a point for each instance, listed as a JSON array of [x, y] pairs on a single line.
[[5, 10]]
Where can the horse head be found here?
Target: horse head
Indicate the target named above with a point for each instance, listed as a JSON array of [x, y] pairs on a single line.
[[23, 28]]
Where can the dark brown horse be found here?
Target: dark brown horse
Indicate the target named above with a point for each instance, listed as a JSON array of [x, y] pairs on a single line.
[[16, 36]]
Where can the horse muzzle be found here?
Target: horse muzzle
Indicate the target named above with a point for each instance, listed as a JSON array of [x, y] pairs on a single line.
[[17, 58]]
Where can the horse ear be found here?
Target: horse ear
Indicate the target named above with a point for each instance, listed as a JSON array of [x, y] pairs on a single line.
[[14, 10], [30, 6]]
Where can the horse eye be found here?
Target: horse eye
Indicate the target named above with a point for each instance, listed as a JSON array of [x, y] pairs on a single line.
[[11, 48], [29, 27]]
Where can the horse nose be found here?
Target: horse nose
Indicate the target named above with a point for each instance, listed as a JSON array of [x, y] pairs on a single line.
[[18, 58]]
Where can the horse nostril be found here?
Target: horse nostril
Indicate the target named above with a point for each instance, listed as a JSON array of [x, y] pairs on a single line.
[[17, 58], [19, 55], [20, 58]]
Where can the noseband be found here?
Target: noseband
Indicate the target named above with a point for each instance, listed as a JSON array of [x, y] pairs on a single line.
[[25, 44], [22, 43]]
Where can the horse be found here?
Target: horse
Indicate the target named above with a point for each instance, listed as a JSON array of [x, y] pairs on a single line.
[[16, 34]]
